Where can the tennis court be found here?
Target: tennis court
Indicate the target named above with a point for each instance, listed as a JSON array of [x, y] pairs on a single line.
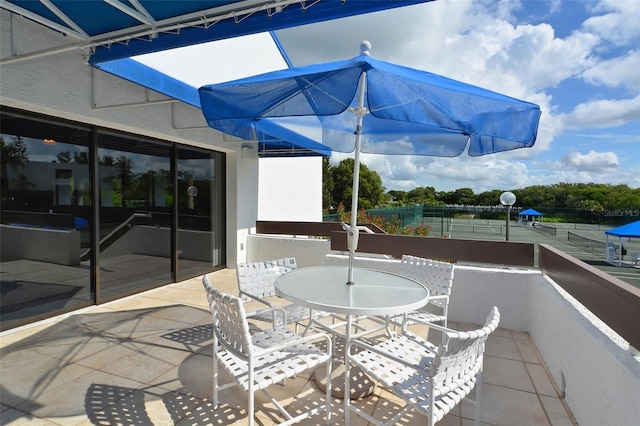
[[583, 241]]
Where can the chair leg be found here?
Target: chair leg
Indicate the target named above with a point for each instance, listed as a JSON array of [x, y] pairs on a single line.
[[215, 376], [328, 395], [347, 386], [250, 399], [478, 397]]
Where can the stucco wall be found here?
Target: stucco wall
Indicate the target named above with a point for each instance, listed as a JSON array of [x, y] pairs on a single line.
[[45, 245], [286, 185], [308, 252], [589, 362], [475, 290], [63, 85]]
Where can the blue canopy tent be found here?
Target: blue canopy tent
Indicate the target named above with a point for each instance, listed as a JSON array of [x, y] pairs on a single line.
[[630, 230], [529, 212]]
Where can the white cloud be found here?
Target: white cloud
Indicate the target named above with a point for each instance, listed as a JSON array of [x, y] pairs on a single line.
[[519, 61], [557, 171], [447, 174], [598, 162], [603, 113], [618, 22], [622, 71], [481, 43]]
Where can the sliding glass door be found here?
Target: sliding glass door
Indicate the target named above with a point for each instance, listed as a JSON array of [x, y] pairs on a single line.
[[200, 212], [90, 215], [46, 214], [135, 215]]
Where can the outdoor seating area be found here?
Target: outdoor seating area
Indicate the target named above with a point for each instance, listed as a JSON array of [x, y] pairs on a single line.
[[148, 359], [167, 180]]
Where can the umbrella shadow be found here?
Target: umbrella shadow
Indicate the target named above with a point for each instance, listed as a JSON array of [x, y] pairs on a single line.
[[192, 336], [51, 359], [189, 403], [110, 405]]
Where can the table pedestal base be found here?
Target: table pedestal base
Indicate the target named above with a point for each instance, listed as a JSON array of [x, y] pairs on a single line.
[[361, 384]]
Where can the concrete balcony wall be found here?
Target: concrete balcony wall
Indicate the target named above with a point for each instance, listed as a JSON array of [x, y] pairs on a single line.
[[591, 364], [307, 251], [22, 242], [588, 361], [156, 241], [475, 290]]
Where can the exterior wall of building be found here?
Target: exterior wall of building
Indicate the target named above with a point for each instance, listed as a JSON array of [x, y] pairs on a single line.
[[286, 184], [63, 85]]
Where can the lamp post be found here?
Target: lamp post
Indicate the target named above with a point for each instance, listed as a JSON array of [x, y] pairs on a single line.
[[507, 199]]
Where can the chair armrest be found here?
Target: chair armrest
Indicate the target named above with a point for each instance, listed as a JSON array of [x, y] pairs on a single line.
[[273, 309], [427, 323], [301, 339], [437, 297], [255, 298]]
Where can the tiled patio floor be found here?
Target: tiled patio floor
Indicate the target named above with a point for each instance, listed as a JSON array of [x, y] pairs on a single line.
[[146, 360]]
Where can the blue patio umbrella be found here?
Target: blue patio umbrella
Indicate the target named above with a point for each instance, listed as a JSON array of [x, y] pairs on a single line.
[[366, 105]]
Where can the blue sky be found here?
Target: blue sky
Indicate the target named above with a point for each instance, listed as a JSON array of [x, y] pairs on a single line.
[[578, 60]]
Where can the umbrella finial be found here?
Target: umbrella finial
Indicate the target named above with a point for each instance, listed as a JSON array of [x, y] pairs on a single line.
[[365, 47]]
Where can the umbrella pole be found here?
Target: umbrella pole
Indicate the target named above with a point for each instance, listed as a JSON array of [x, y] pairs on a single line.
[[353, 233]]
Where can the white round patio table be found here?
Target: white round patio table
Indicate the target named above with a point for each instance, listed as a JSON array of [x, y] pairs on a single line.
[[325, 288]]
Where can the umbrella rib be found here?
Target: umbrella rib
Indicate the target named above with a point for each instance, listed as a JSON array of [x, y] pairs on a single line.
[[458, 127], [305, 91]]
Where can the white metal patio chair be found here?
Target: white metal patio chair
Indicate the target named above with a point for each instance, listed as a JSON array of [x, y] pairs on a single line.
[[430, 379], [256, 282], [264, 358], [437, 276]]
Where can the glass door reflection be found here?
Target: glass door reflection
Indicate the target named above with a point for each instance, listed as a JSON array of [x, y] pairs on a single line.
[[200, 213], [135, 215]]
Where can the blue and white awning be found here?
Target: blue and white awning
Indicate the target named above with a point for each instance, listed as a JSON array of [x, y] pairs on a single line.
[[117, 29], [123, 36]]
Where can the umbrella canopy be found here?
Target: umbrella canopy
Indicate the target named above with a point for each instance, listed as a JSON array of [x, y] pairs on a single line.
[[391, 109], [408, 111]]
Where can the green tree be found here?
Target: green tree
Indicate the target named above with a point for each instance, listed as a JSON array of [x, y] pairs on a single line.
[[422, 195], [81, 157], [459, 196], [13, 155], [465, 196], [622, 197], [327, 186], [398, 197], [64, 157], [490, 198], [370, 191]]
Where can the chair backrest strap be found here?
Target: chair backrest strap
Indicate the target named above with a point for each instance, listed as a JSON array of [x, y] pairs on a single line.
[[437, 276], [258, 278], [460, 355], [230, 323]]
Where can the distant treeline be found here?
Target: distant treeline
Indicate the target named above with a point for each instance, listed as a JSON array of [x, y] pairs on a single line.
[[591, 197], [581, 202]]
